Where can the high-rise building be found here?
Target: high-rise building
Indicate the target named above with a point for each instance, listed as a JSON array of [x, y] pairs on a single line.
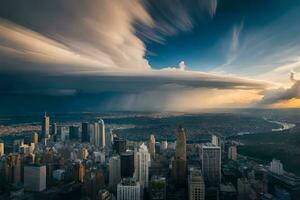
[[102, 136], [62, 132], [129, 189], [119, 145], [211, 164], [215, 140], [232, 153], [180, 144], [35, 178], [13, 168], [35, 138], [276, 167], [53, 129], [85, 132], [151, 146], [179, 164], [94, 137], [127, 164], [81, 173], [109, 138], [142, 162], [114, 171], [74, 132], [1, 149], [157, 188], [98, 134], [164, 145], [196, 186], [45, 126]]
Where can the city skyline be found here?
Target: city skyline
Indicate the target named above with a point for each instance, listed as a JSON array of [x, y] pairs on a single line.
[[73, 161], [145, 55]]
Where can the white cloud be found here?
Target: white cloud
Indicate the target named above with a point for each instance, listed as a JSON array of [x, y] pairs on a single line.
[[237, 29], [269, 52], [100, 36], [182, 66], [212, 7]]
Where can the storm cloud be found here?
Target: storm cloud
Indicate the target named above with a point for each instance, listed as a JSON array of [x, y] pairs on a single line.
[[78, 55]]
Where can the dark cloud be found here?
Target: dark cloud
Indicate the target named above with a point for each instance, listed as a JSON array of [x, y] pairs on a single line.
[[110, 91], [77, 55]]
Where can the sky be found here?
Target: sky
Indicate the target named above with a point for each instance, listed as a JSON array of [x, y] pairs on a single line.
[[148, 55]]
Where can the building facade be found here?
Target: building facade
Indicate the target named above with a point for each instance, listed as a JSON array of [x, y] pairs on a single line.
[[142, 162], [127, 164], [196, 186], [151, 146], [35, 178], [129, 189], [114, 171], [211, 164], [232, 153], [45, 126], [179, 164]]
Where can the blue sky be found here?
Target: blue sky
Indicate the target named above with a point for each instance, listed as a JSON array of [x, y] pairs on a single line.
[[149, 55], [207, 44]]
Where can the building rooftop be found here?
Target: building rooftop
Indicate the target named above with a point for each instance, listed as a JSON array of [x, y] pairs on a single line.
[[227, 188], [129, 182], [210, 146], [34, 165]]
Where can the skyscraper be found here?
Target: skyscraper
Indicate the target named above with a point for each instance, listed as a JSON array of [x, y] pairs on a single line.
[[151, 146], [45, 126], [127, 164], [35, 178], [98, 134], [196, 186], [13, 168], [232, 153], [94, 137], [53, 129], [74, 132], [109, 138], [35, 138], [1, 149], [180, 144], [211, 164], [142, 161], [102, 135], [129, 189], [114, 171], [179, 164], [85, 132], [163, 145], [62, 132]]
